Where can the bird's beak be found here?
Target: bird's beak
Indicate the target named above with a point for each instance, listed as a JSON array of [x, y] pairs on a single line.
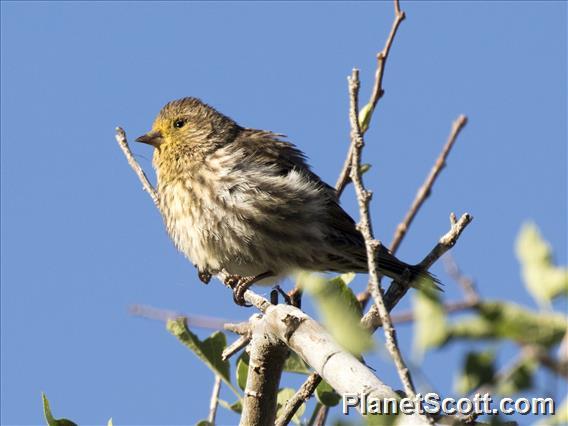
[[153, 138]]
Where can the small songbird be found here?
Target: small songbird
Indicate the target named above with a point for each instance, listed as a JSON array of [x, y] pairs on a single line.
[[244, 202]]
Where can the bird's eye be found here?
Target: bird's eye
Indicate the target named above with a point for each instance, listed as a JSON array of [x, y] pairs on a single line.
[[179, 123]]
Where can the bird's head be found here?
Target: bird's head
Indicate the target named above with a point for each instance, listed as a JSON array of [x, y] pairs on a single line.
[[190, 124]]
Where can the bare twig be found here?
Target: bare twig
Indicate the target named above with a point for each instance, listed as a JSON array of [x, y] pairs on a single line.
[[466, 283], [302, 395], [398, 289], [123, 143], [321, 415], [235, 347], [382, 56], [448, 240], [376, 94], [426, 188], [150, 312], [541, 355], [372, 245], [242, 328], [449, 308], [214, 400]]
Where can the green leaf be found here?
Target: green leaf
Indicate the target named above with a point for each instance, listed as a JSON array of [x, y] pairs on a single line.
[[208, 350], [283, 396], [295, 364], [242, 370], [236, 406], [327, 395], [519, 379], [364, 168], [479, 369], [381, 419], [339, 309], [502, 320], [365, 114], [430, 320], [204, 423], [51, 421], [542, 278]]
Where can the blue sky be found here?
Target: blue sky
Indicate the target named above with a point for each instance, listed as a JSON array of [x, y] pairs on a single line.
[[81, 241]]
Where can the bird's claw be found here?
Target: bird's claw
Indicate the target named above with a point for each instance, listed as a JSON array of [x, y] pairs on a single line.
[[204, 276], [239, 285]]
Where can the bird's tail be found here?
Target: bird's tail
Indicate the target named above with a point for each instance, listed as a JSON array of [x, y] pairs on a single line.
[[394, 268]]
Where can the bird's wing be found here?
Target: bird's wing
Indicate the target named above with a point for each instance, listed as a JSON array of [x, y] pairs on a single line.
[[299, 196]]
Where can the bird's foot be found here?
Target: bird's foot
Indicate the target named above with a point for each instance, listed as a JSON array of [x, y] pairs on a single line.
[[241, 284]]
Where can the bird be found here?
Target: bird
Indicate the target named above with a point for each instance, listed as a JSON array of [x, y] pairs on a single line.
[[245, 202]]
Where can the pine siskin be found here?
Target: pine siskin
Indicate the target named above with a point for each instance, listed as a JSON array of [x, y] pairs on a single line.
[[244, 202]]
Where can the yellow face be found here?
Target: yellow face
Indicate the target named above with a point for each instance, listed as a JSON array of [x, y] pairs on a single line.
[[186, 122]]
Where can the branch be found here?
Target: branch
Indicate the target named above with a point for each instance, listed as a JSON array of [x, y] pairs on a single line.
[[426, 188], [372, 245], [267, 357], [376, 94], [235, 347], [345, 373], [214, 400], [302, 395], [123, 143], [398, 289]]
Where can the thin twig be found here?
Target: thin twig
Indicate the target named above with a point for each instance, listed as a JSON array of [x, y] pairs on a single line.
[[150, 312], [377, 92], [426, 188], [383, 55], [302, 395], [372, 245], [235, 347], [242, 328], [371, 320], [321, 416], [466, 283], [214, 399], [449, 308], [422, 194], [448, 240], [123, 143]]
